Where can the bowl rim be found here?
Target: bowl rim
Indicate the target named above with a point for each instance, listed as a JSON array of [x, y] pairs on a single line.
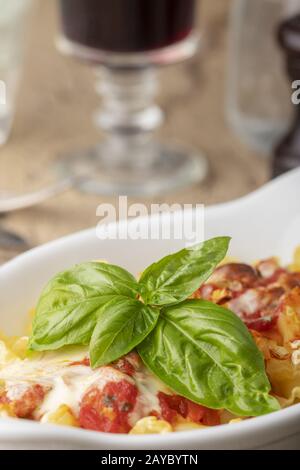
[[220, 207], [13, 429]]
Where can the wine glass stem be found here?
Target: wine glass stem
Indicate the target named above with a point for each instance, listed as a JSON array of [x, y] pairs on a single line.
[[129, 115]]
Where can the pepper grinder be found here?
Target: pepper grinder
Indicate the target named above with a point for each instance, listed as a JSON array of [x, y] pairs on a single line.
[[287, 153]]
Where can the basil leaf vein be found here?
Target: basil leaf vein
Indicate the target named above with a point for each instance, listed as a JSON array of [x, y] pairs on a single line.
[[123, 323], [205, 353], [69, 306], [177, 276]]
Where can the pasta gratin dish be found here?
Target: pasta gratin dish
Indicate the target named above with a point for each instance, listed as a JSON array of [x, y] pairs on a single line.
[[90, 363]]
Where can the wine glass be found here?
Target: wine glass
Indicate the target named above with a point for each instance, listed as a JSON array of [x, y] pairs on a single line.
[[258, 98], [13, 23], [126, 41]]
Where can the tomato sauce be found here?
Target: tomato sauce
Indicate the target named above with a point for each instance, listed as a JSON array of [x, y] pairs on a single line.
[[173, 406], [108, 409]]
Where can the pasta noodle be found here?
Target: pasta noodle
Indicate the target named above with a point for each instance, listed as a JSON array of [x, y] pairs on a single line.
[[266, 297]]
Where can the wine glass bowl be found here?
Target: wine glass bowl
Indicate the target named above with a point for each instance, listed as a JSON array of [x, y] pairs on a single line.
[[126, 41]]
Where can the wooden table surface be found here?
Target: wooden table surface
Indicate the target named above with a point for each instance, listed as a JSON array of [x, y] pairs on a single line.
[[54, 110]]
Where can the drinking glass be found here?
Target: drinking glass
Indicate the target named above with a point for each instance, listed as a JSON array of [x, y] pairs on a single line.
[[12, 22], [258, 97], [126, 41]]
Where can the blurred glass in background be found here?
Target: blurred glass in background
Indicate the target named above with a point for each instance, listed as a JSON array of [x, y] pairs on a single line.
[[126, 41], [258, 95], [12, 28]]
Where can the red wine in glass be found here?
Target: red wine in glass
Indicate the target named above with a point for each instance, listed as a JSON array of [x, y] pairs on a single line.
[[127, 25], [126, 41]]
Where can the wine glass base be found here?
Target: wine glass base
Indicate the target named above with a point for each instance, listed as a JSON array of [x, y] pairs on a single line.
[[172, 168]]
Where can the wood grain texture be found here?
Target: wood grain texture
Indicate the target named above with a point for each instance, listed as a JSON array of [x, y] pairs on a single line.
[[55, 105]]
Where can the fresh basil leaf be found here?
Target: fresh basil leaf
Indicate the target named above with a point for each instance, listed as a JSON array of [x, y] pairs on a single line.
[[205, 353], [123, 323], [69, 306], [177, 276]]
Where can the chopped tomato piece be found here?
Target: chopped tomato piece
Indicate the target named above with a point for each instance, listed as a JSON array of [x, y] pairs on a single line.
[[289, 280], [234, 276], [25, 401], [261, 324], [211, 417], [268, 269], [83, 362], [218, 295], [169, 405], [194, 412], [258, 308], [205, 292], [257, 295], [108, 409], [123, 365], [174, 405]]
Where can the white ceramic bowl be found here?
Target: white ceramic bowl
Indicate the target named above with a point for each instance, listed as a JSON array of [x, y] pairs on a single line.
[[262, 224]]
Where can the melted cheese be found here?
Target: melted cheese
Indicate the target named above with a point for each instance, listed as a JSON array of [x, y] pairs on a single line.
[[70, 385], [67, 382], [147, 400]]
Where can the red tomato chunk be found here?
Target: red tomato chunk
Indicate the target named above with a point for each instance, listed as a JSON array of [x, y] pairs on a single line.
[[174, 405], [108, 409], [27, 401]]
